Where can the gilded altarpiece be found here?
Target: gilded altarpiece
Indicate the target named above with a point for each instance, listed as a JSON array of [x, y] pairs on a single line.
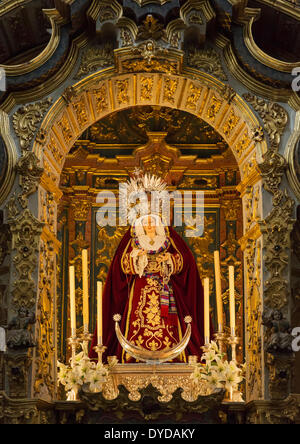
[[78, 228]]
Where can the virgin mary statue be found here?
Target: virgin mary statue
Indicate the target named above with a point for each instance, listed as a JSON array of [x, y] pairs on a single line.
[[153, 282]]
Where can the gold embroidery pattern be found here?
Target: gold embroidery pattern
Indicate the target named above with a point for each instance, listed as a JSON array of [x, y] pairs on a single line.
[[152, 311], [177, 262], [155, 335]]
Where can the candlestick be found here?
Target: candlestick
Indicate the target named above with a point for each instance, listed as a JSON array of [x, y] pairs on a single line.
[[85, 290], [72, 300], [73, 342], [233, 342], [206, 311], [100, 349], [218, 290], [99, 312], [231, 300]]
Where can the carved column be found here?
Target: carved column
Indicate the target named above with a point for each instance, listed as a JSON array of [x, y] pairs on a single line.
[[26, 231], [276, 228], [45, 356]]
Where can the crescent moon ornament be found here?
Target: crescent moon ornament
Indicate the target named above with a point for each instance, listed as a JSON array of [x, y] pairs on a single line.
[[153, 357]]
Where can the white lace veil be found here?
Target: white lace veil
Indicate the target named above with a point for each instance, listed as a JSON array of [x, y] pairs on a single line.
[[160, 236]]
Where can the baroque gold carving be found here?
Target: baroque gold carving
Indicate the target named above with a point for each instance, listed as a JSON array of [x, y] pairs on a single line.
[[123, 91], [26, 231], [253, 307], [30, 175], [26, 120], [95, 58], [231, 208], [207, 60], [17, 374], [194, 94], [66, 129], [272, 169], [243, 144], [231, 123], [170, 87], [276, 229], [274, 117], [44, 385], [213, 108], [81, 113], [146, 88], [101, 99], [81, 209], [155, 65]]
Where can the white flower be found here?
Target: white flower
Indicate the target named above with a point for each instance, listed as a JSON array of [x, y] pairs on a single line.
[[232, 379], [213, 380], [96, 382], [84, 369], [220, 369], [209, 356], [74, 379], [214, 346], [77, 359], [63, 373]]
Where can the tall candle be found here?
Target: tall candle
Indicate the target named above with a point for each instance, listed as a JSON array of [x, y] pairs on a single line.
[[231, 299], [99, 312], [72, 300], [218, 290], [206, 310], [85, 289]]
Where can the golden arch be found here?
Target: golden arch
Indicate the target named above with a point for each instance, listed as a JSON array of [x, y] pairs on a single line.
[[101, 94]]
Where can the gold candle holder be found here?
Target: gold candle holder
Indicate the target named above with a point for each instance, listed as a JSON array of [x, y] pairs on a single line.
[[100, 349], [220, 338], [233, 341], [84, 339], [73, 341]]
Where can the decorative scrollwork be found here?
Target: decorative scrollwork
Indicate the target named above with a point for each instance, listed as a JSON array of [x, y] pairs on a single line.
[[30, 175], [273, 115], [26, 120]]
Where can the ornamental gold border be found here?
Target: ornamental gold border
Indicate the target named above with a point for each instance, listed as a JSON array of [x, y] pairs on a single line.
[[255, 86], [263, 57], [56, 21], [289, 154], [11, 156]]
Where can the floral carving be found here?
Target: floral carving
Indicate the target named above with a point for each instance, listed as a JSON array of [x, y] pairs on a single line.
[[94, 59], [26, 231], [26, 120], [207, 60], [30, 175], [274, 117]]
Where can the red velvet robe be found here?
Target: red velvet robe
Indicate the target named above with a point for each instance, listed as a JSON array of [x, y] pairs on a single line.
[[124, 291]]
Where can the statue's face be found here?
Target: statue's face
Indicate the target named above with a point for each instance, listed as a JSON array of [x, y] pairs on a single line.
[[149, 226]]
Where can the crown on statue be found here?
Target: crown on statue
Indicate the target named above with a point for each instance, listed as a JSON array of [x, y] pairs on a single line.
[[145, 182], [136, 193]]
